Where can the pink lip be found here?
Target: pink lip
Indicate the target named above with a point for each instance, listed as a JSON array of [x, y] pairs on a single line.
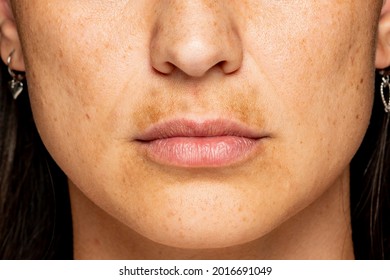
[[212, 143]]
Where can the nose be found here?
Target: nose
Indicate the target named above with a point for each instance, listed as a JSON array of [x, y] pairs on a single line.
[[195, 37]]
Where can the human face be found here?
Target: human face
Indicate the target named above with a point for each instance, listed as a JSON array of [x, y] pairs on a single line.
[[298, 75]]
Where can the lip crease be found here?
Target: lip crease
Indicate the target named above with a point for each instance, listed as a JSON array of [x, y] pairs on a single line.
[[210, 143]]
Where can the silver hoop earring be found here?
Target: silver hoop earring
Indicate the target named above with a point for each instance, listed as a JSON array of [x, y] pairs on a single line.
[[385, 84], [15, 85]]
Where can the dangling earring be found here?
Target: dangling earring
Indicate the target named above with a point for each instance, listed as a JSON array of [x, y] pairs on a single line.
[[16, 84], [385, 84]]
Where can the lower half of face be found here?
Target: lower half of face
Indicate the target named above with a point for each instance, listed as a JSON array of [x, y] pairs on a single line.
[[200, 161]]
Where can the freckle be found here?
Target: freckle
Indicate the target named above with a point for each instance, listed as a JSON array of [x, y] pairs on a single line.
[[96, 242], [357, 116], [87, 116], [183, 107], [153, 94], [303, 43], [361, 80]]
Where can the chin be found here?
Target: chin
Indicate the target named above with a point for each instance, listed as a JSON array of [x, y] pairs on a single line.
[[201, 216], [205, 238]]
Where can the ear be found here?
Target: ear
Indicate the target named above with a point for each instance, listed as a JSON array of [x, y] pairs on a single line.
[[382, 59], [9, 38]]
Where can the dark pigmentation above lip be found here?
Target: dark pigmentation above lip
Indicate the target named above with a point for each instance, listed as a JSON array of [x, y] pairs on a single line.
[[190, 128]]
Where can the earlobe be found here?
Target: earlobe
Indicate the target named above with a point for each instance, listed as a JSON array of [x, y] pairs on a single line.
[[382, 59], [9, 39]]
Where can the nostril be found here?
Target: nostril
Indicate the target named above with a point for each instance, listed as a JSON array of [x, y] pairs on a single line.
[[229, 67], [164, 68], [194, 68]]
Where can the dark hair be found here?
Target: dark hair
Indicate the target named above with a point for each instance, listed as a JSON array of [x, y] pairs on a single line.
[[370, 182], [35, 216], [35, 219]]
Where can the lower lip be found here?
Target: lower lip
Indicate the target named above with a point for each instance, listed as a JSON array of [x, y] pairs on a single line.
[[200, 151]]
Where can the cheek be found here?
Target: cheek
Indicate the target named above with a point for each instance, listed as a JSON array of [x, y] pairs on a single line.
[[74, 76], [320, 72]]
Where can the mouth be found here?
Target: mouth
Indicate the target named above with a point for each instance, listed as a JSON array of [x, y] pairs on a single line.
[[211, 143]]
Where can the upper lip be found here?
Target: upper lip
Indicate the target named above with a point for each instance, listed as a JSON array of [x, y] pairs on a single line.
[[191, 128]]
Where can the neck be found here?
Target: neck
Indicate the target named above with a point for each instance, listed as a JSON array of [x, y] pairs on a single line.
[[320, 231]]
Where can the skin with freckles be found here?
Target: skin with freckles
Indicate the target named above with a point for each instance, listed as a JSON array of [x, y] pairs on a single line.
[[100, 73]]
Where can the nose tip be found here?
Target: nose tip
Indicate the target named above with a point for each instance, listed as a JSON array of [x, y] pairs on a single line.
[[195, 58], [194, 42]]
